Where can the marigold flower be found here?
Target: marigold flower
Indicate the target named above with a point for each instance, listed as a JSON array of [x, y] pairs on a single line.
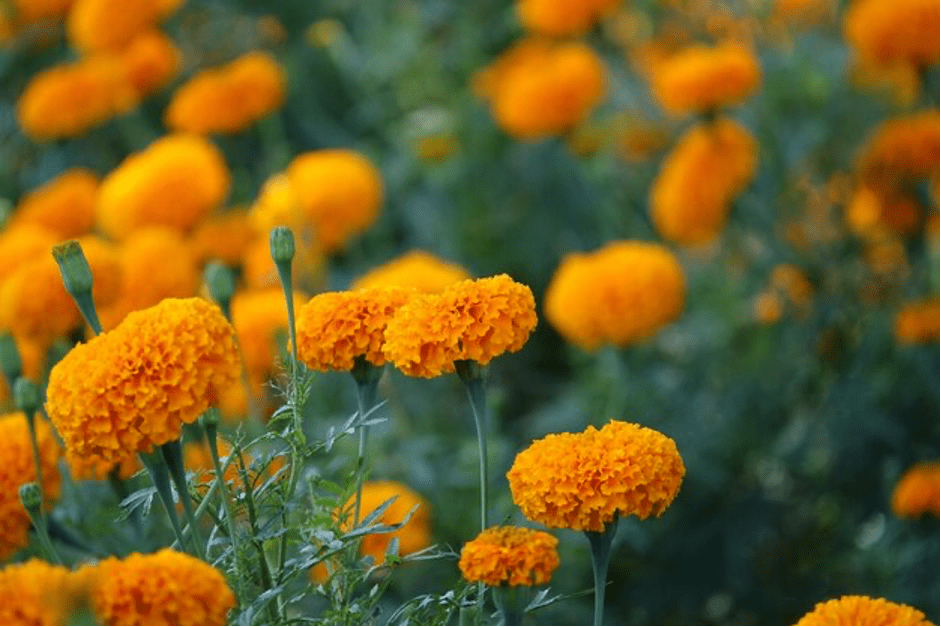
[[228, 99], [174, 182], [471, 320], [64, 205], [132, 388], [38, 593], [538, 89], [581, 481], [708, 168], [860, 610], [620, 294], [905, 147], [165, 588], [903, 31], [101, 25], [22, 243], [700, 78], [225, 238], [873, 214], [260, 318], [150, 61], [418, 270], [917, 492], [918, 322], [561, 19], [334, 328], [512, 556], [18, 468], [326, 197], [94, 469]]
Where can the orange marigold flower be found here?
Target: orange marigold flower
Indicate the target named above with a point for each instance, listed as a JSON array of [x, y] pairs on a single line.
[[860, 610], [418, 270], [228, 99], [22, 243], [165, 588], [905, 147], [708, 168], [512, 556], [326, 197], [260, 318], [538, 89], [918, 322], [225, 237], [471, 320], [99, 25], [620, 294], [132, 388], [873, 214], [917, 492], [19, 468], [902, 31], [562, 18], [334, 328], [581, 481], [64, 205], [38, 593], [174, 182], [67, 100], [150, 61], [414, 536], [94, 469]]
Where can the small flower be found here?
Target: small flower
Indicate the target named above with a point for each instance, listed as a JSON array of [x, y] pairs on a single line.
[[471, 320], [103, 25], [581, 481], [887, 33], [557, 18], [65, 205], [418, 270], [620, 294], [874, 214], [165, 588], [38, 593], [512, 556], [132, 388], [334, 328], [149, 62], [918, 322], [860, 610], [917, 492]]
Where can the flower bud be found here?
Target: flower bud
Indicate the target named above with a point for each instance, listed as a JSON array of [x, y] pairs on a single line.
[[282, 245], [76, 273], [10, 363], [221, 283], [26, 396], [31, 496]]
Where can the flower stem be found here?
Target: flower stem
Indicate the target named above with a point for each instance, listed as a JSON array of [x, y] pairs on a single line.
[[600, 542], [173, 455], [472, 375], [512, 602], [157, 470], [367, 378], [31, 498]]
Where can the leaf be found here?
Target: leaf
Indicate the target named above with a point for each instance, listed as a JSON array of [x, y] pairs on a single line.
[[142, 498]]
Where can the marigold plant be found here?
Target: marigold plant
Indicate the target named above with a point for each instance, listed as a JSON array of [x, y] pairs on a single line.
[[562, 18], [39, 593], [260, 317], [65, 205], [100, 25], [917, 492], [418, 270], [861, 610], [512, 556], [903, 31]]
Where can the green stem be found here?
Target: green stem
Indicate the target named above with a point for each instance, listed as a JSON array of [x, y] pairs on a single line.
[[511, 601], [157, 470], [39, 523], [173, 455], [473, 377], [31, 422], [211, 434], [600, 542], [367, 381], [266, 578]]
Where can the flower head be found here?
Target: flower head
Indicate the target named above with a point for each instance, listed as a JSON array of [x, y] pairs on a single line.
[[38, 593], [918, 322], [512, 556], [620, 294], [418, 270], [22, 243], [860, 610], [103, 25], [917, 492], [581, 481], [132, 388], [700, 78], [557, 18], [18, 468], [165, 588], [472, 320], [65, 205], [887, 33], [150, 61], [903, 148]]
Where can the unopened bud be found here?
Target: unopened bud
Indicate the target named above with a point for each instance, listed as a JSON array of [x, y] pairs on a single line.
[[26, 396], [76, 273], [10, 363], [31, 496], [209, 419], [282, 245], [221, 283]]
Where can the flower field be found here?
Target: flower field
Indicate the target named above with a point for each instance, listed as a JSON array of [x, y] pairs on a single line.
[[498, 312]]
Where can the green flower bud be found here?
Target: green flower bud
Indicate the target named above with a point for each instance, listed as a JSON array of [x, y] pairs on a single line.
[[76, 273], [221, 283], [10, 363], [26, 396], [31, 496], [282, 245]]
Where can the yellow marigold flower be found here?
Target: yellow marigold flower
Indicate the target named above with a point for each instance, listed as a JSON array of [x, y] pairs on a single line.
[[918, 322], [512, 556], [94, 469], [471, 320], [150, 61], [174, 182], [326, 197], [225, 238], [64, 205], [700, 78], [228, 99], [19, 468], [620, 294], [22, 243], [538, 89], [132, 388], [872, 213], [165, 588], [334, 328], [99, 25], [581, 481], [67, 100], [903, 31], [418, 270], [260, 318], [860, 610], [905, 147], [38, 593], [917, 492], [562, 18], [708, 168]]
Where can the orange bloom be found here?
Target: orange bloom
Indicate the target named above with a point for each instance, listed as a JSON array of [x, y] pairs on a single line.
[[860, 610], [224, 237], [99, 25], [901, 31], [37, 593], [418, 270], [873, 214], [94, 469], [905, 148], [512, 556], [917, 492], [150, 61], [22, 243], [65, 205], [703, 79], [560, 18], [918, 322]]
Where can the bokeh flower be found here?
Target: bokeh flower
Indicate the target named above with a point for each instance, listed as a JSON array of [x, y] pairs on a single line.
[[620, 294], [691, 196], [561, 18], [224, 238], [917, 492], [18, 467], [418, 270], [887, 33], [414, 536], [918, 322], [38, 593], [175, 182], [260, 318], [165, 588], [903, 148], [861, 610], [65, 205], [472, 320], [874, 213], [513, 556], [150, 61], [581, 481], [103, 25], [132, 388], [22, 243], [229, 98]]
